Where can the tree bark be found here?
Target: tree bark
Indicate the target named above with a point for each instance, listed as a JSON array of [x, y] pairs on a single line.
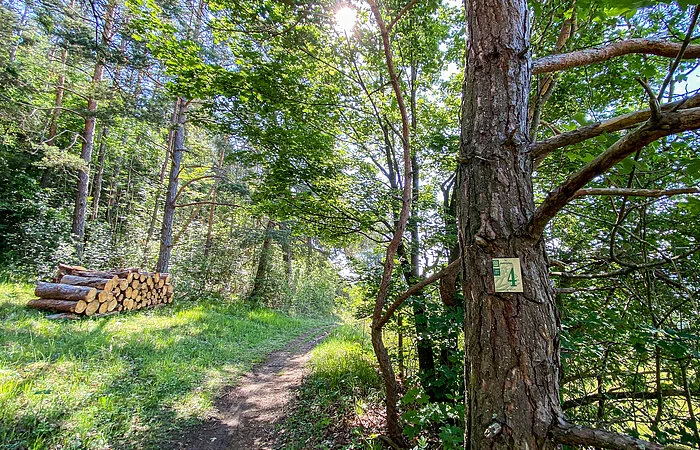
[[97, 183], [166, 230], [263, 265], [58, 305], [64, 291], [78, 226], [512, 339], [161, 179], [589, 56], [209, 241]]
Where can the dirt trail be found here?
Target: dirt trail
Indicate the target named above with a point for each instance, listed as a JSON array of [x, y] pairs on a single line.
[[245, 415]]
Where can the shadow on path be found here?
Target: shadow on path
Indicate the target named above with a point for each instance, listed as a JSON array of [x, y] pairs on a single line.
[[245, 416]]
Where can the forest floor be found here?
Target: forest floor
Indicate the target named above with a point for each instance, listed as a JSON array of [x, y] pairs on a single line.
[[247, 415]]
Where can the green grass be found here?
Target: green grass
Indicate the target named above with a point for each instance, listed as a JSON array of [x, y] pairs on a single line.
[[342, 385], [125, 381]]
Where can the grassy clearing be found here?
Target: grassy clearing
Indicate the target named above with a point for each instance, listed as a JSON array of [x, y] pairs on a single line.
[[338, 403], [125, 381]]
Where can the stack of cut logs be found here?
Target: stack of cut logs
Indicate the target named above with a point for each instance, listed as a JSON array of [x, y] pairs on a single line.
[[81, 291]]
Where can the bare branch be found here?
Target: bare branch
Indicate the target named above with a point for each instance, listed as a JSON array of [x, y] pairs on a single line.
[[568, 434], [669, 123], [655, 193], [417, 288], [579, 58], [541, 149]]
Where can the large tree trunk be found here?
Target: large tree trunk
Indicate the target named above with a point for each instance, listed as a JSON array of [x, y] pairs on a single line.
[[78, 226], [512, 339], [166, 230]]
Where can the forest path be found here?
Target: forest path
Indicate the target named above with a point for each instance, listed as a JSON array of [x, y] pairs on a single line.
[[246, 414]]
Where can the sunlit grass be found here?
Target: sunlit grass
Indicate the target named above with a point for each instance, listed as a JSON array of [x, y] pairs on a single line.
[[124, 381], [342, 384]]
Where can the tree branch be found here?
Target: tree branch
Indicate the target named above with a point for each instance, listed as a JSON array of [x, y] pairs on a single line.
[[454, 265], [541, 149], [400, 14], [681, 52], [188, 182], [568, 434], [577, 290], [655, 193], [644, 46], [207, 203], [593, 398], [669, 123]]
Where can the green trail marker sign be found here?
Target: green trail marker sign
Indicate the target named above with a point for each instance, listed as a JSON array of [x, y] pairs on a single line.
[[506, 275]]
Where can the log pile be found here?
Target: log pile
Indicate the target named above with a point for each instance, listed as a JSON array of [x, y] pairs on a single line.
[[78, 290]]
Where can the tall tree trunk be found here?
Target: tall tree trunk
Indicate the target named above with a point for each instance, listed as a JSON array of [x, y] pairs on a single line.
[[58, 100], [287, 253], [263, 265], [161, 179], [166, 229], [113, 193], [212, 196], [97, 183], [424, 344], [512, 339], [78, 226]]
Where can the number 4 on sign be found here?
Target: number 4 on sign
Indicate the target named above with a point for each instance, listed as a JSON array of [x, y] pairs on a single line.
[[507, 276]]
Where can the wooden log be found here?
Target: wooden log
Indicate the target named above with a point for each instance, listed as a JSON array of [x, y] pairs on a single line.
[[156, 277], [81, 306], [104, 296], [112, 305], [166, 277], [149, 282], [54, 304], [64, 291], [64, 269], [82, 271], [96, 282], [103, 308], [92, 308], [124, 283], [135, 283]]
